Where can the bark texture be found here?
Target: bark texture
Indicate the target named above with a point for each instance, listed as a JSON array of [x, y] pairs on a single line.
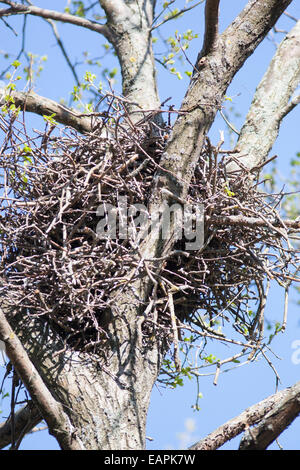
[[284, 405], [130, 25], [106, 404], [275, 421], [272, 101]]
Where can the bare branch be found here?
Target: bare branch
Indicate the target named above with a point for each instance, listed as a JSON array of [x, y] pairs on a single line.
[[249, 221], [24, 420], [51, 410], [17, 8], [290, 106], [271, 103], [63, 49], [131, 23], [42, 106], [252, 415], [173, 16], [284, 411]]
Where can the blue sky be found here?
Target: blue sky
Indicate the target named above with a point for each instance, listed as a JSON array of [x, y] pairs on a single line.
[[172, 423]]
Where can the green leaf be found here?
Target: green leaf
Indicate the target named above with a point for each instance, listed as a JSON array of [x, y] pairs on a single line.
[[16, 64], [50, 120], [228, 192]]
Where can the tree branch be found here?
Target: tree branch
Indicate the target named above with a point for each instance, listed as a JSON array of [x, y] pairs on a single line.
[[113, 8], [211, 27], [51, 410], [284, 411], [207, 88], [42, 106], [131, 23], [63, 49], [250, 221], [271, 103], [24, 420], [257, 413], [17, 8], [173, 16]]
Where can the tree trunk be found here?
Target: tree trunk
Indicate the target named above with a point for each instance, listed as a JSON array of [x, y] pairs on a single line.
[[106, 402], [130, 24]]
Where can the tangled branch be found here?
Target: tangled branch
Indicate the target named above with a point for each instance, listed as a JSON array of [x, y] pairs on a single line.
[[56, 266]]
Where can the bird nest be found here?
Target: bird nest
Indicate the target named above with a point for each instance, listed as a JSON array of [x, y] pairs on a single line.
[[55, 266]]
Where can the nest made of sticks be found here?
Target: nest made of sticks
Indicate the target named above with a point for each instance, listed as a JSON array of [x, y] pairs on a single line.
[[55, 266]]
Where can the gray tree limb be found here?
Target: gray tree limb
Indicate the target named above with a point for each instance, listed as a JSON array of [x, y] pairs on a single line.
[[34, 103], [131, 23], [18, 8], [51, 410], [211, 26], [261, 414], [25, 419], [271, 102], [284, 411]]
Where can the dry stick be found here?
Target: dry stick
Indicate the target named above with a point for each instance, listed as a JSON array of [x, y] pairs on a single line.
[[51, 410], [225, 361], [175, 331]]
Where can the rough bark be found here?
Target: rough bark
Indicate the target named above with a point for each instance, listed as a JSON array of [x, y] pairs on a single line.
[[271, 102], [130, 23], [106, 404], [34, 103], [275, 421], [261, 413]]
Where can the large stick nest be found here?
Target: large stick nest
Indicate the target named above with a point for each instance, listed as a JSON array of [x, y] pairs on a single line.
[[55, 267]]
